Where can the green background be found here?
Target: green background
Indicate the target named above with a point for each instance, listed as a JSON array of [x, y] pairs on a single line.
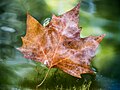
[[96, 17]]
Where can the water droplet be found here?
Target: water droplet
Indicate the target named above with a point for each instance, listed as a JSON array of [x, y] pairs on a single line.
[[7, 29], [46, 21]]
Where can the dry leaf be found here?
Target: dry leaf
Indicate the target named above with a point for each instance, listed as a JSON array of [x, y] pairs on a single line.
[[59, 44]]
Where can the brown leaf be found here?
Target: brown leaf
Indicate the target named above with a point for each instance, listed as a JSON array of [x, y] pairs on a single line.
[[59, 44]]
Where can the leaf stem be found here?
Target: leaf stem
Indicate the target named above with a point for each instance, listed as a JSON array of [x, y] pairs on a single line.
[[43, 79]]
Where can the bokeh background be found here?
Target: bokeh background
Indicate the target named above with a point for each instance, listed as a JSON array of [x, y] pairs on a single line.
[[96, 17]]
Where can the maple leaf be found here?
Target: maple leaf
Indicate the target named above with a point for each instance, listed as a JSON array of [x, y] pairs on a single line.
[[59, 44]]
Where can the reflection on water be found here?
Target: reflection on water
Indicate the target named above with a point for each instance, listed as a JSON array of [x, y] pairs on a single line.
[[96, 17]]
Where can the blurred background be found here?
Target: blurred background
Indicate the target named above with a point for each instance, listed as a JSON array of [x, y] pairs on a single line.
[[96, 17]]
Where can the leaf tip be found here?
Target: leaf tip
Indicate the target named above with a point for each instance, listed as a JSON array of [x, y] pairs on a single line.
[[77, 7], [99, 38], [28, 15], [18, 49]]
